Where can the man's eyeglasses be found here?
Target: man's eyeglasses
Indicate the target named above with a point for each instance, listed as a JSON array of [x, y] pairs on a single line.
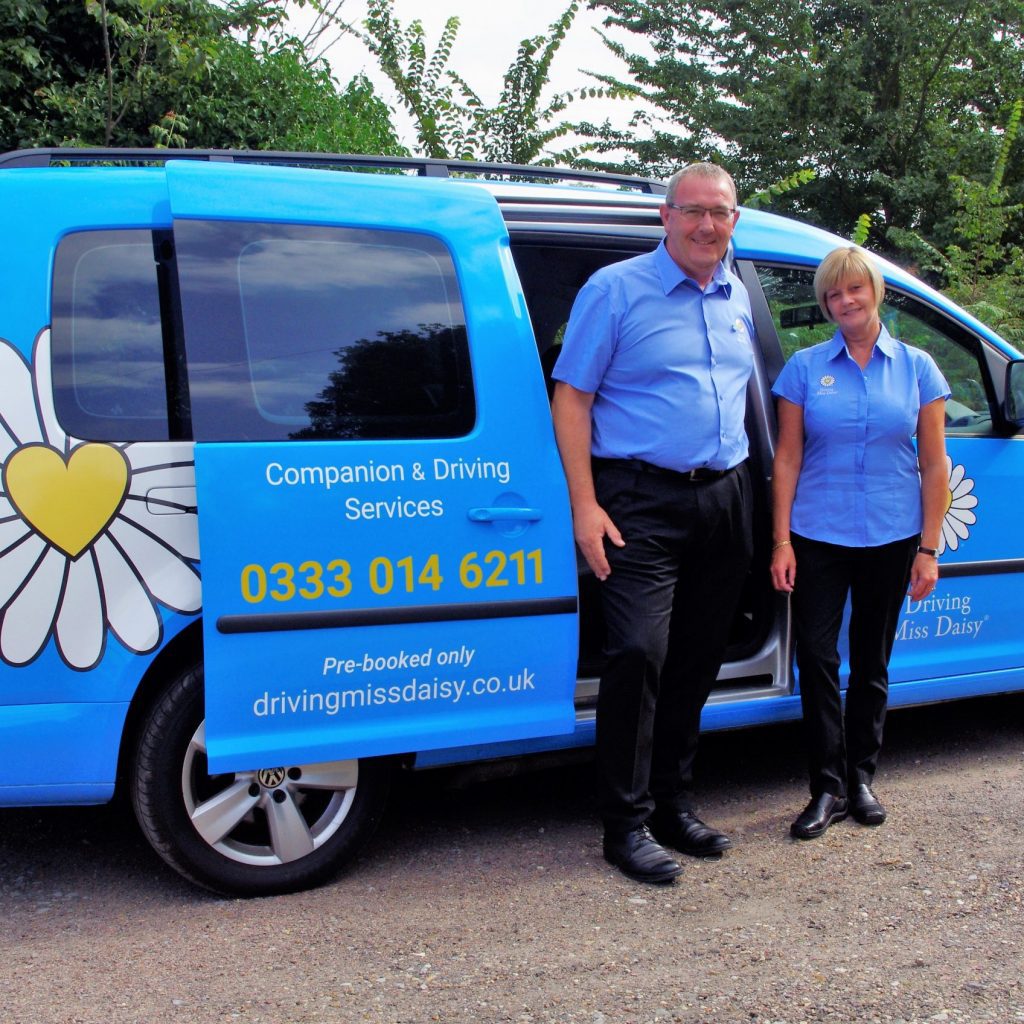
[[719, 214]]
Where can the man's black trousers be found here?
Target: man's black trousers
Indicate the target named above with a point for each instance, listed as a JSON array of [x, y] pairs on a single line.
[[844, 753], [668, 605]]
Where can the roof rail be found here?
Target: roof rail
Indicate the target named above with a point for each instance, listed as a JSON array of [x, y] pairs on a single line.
[[422, 166]]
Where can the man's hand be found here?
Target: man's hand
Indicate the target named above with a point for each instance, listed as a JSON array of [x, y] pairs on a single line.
[[591, 525], [571, 410]]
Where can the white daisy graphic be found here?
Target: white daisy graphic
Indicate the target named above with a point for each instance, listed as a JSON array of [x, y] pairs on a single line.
[[81, 551], [958, 516]]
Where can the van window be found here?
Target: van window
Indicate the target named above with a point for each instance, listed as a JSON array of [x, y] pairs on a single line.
[[800, 324], [109, 382], [298, 332]]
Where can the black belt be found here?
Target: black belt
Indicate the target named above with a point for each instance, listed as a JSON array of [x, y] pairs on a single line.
[[694, 476]]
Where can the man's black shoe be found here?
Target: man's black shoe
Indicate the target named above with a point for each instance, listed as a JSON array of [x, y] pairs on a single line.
[[636, 854], [865, 806], [821, 812], [685, 832]]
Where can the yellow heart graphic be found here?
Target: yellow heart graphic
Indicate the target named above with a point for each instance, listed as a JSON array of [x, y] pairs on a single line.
[[69, 503]]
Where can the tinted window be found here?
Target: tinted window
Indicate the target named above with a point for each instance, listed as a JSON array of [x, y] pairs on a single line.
[[298, 332], [109, 381], [800, 323]]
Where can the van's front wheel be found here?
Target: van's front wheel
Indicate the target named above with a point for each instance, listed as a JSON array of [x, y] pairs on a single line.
[[253, 833]]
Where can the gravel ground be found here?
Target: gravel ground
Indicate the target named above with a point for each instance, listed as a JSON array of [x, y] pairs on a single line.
[[489, 901]]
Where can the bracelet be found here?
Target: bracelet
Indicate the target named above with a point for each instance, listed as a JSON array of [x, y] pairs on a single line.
[[789, 543], [927, 551]]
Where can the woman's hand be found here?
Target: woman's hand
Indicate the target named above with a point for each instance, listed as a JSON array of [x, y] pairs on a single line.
[[784, 568], [789, 456], [923, 576]]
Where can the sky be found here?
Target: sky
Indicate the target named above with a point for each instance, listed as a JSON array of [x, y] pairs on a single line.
[[488, 38]]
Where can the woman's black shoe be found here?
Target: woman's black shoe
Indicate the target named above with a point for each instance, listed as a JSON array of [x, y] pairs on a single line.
[[821, 812]]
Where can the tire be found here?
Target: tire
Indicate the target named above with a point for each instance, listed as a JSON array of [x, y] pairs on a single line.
[[256, 833]]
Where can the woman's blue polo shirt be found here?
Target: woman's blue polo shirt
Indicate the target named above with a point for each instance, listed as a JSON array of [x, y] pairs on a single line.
[[859, 483]]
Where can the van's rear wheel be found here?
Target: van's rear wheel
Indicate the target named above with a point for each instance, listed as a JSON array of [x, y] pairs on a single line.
[[253, 833]]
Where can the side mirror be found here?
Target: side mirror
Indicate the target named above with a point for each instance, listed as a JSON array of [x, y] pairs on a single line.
[[1013, 402]]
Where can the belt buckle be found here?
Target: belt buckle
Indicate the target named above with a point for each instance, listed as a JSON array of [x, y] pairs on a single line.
[[702, 474]]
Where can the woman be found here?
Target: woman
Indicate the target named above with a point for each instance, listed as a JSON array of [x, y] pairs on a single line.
[[858, 511]]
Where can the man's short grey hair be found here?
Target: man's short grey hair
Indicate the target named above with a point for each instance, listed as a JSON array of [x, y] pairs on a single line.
[[701, 170]]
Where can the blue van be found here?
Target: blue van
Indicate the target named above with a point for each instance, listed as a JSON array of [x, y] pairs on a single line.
[[333, 387]]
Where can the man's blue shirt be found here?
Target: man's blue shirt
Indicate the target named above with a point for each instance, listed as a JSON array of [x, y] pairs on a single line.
[[667, 363], [859, 482]]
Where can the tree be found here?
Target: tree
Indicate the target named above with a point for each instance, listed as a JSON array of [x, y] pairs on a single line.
[[883, 99], [423, 87], [451, 119], [982, 268], [175, 72], [382, 381], [519, 128]]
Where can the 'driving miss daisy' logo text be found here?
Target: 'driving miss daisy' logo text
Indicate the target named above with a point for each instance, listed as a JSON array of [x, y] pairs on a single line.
[[80, 553]]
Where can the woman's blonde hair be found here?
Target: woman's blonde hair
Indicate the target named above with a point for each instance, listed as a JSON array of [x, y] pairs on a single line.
[[846, 264]]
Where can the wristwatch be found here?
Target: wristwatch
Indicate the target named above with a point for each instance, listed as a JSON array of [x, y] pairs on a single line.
[[921, 550]]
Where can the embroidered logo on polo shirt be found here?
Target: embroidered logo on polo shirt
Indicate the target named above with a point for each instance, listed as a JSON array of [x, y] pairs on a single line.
[[826, 384]]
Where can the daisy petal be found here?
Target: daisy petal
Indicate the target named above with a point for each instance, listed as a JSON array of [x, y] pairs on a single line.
[[170, 580], [29, 617], [962, 489], [964, 515], [80, 630], [12, 532], [172, 462], [52, 431], [179, 532], [18, 563], [949, 537], [130, 612], [958, 528], [19, 423], [956, 474]]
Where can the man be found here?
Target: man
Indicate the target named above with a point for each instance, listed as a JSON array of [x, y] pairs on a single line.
[[648, 412]]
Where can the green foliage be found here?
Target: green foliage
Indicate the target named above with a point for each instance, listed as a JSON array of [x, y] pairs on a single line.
[[882, 98], [175, 73], [925, 258], [451, 119], [982, 267], [985, 270], [766, 196], [861, 229], [168, 133], [522, 125], [423, 88]]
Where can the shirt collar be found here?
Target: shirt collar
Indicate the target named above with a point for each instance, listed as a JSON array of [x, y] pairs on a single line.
[[885, 344], [672, 275]]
